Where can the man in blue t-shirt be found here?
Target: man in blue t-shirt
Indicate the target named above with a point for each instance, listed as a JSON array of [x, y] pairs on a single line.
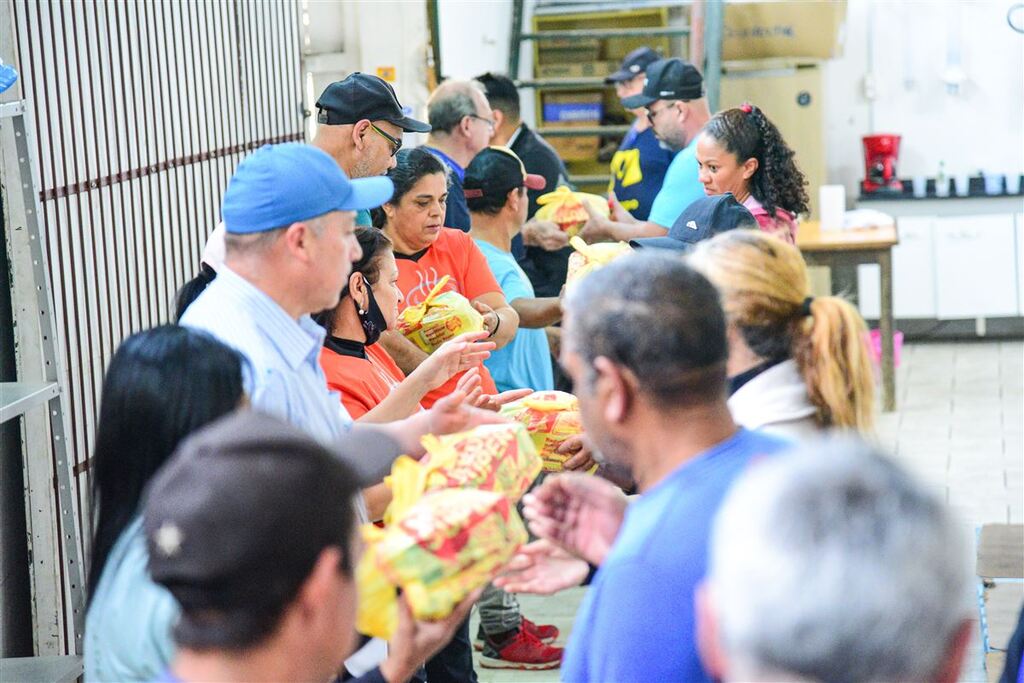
[[645, 344], [495, 189], [673, 95], [639, 165]]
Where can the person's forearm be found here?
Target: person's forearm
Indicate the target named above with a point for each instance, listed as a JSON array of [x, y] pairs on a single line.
[[539, 312], [508, 326], [624, 232], [377, 498], [407, 355], [403, 401]]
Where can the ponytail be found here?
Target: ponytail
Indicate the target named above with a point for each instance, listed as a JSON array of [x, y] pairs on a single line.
[[830, 351], [764, 286]]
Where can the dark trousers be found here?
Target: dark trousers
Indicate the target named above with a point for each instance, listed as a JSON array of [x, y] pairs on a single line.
[[454, 664]]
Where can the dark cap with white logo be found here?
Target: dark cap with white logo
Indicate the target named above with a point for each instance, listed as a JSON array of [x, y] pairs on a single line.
[[701, 220], [668, 79]]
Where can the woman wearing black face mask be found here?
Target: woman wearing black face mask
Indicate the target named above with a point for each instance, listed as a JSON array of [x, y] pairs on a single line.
[[372, 386]]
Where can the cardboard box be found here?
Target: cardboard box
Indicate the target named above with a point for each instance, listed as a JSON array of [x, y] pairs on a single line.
[[576, 149], [566, 107], [568, 51], [576, 70], [792, 28]]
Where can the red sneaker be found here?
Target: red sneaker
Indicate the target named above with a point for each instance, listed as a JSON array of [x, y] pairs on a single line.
[[522, 651], [546, 633]]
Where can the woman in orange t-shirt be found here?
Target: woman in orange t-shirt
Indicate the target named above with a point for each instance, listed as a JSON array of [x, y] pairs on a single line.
[[426, 251], [372, 387]]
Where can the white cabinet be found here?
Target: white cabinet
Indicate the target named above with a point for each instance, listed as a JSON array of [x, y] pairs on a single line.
[[913, 273], [975, 266], [1020, 263]]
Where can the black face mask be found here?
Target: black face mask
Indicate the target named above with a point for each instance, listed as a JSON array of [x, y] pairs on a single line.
[[372, 319]]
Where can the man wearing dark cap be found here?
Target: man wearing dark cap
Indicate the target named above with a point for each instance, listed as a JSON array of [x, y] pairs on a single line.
[[701, 220], [265, 577], [638, 167], [673, 95], [542, 248], [360, 125]]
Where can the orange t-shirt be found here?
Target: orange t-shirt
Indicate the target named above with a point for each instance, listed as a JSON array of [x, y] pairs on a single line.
[[363, 382], [453, 254]]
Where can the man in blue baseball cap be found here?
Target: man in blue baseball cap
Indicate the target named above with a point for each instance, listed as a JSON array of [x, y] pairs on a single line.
[[289, 221]]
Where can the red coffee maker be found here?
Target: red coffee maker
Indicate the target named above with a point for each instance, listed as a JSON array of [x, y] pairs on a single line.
[[880, 154]]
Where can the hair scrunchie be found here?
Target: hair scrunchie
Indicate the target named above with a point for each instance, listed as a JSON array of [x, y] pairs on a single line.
[[805, 307]]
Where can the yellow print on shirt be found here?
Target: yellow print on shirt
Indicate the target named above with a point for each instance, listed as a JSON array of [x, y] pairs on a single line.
[[625, 167]]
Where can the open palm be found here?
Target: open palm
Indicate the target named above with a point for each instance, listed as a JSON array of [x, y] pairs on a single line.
[[578, 512]]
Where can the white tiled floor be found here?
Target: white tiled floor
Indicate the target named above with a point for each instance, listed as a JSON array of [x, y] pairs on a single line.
[[959, 426]]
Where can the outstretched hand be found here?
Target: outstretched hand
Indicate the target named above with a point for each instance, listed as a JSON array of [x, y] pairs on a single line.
[[580, 513], [542, 568], [463, 352]]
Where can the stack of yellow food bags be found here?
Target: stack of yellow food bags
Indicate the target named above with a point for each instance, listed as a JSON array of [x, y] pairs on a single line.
[[589, 257], [451, 524], [440, 317], [565, 207], [550, 417]]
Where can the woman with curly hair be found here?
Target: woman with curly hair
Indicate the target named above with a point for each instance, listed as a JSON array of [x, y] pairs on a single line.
[[742, 152]]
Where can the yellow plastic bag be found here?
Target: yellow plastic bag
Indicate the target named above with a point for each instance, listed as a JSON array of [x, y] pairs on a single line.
[[589, 257], [498, 457], [445, 546], [565, 207], [441, 316], [550, 417]]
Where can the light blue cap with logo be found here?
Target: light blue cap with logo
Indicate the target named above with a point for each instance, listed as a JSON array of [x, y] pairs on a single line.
[[278, 185]]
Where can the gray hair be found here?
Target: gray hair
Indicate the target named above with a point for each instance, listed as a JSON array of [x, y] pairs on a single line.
[[452, 102], [658, 318], [833, 564]]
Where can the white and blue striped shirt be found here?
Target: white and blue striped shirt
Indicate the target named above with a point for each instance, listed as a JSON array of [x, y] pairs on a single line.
[[284, 377]]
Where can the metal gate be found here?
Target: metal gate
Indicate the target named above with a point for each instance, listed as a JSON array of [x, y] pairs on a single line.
[[142, 109]]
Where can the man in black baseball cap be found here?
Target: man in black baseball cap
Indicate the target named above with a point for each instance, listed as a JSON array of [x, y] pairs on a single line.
[[251, 528], [638, 167], [673, 95], [701, 220], [633, 65], [360, 125]]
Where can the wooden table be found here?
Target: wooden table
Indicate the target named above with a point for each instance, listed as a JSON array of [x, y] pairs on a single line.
[[843, 251]]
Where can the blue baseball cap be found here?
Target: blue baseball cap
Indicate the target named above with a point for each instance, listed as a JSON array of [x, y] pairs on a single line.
[[278, 185]]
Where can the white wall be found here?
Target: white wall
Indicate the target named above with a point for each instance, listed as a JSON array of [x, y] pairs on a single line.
[[475, 36], [901, 49]]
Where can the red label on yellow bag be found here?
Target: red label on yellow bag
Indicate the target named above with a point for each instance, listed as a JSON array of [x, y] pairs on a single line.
[[440, 317], [550, 417]]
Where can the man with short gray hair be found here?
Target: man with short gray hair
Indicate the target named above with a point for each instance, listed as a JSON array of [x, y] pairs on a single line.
[[832, 564], [462, 124], [645, 346]]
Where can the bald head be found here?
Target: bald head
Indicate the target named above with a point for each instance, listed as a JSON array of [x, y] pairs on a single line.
[[461, 118]]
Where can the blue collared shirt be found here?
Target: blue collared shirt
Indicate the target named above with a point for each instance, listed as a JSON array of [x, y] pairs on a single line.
[[284, 377]]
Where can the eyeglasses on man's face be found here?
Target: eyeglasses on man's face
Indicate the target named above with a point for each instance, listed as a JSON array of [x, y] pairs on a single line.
[[652, 113], [490, 122], [396, 143]]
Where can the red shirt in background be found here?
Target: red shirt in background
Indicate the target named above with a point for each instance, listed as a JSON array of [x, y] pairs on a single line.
[[453, 254]]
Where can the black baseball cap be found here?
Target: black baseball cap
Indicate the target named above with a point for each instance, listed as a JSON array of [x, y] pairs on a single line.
[[701, 220], [636, 62], [238, 516], [362, 96], [494, 171], [668, 79]]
